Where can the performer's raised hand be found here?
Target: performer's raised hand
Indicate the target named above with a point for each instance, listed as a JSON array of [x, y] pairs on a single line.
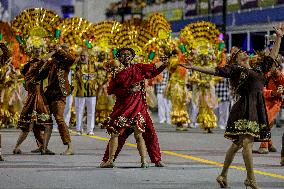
[[279, 33], [280, 89], [279, 29], [163, 61], [187, 64]]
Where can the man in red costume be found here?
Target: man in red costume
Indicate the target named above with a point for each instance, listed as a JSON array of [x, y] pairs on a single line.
[[130, 110]]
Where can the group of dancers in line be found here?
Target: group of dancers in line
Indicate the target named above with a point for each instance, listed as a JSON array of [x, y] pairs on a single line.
[[249, 120]]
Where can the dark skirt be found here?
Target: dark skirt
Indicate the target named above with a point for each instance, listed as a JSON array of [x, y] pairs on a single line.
[[35, 111], [248, 116]]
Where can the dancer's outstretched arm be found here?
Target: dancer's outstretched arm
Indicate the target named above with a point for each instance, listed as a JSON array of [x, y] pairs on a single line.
[[164, 61], [206, 70], [279, 34]]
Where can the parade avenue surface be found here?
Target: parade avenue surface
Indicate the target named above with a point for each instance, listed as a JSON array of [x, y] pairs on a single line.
[[193, 160]]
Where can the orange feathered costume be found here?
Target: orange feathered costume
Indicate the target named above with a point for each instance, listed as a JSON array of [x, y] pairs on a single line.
[[273, 99]]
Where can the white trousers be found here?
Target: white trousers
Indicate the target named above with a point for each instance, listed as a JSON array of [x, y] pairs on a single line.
[[222, 113], [67, 112], [80, 104], [193, 111], [164, 108]]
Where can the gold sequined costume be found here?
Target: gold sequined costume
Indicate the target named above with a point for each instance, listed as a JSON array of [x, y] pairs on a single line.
[[177, 93]]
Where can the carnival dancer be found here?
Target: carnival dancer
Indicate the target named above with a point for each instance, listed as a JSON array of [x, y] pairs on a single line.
[[247, 121], [176, 92], [273, 94], [104, 105], [274, 53], [35, 114], [223, 93], [273, 99], [130, 110], [204, 95], [68, 108], [164, 105], [10, 100], [85, 92], [58, 89], [104, 101], [4, 56], [193, 104]]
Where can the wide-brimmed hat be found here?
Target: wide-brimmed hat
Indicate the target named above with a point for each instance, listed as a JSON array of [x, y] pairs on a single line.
[[234, 53]]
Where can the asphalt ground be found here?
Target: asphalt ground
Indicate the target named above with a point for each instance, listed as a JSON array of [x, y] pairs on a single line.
[[194, 160]]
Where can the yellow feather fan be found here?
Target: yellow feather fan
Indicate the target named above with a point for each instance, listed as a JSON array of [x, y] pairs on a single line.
[[134, 34], [35, 22], [102, 33], [75, 31], [159, 26], [200, 35]]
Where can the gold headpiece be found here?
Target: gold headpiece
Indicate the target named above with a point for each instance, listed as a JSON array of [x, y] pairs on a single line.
[[159, 26], [103, 34], [75, 31], [202, 37], [32, 26], [133, 34], [36, 22]]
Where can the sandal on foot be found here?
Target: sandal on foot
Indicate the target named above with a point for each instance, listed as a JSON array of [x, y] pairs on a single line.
[[17, 151], [38, 150], [107, 165], [144, 165], [160, 164], [251, 183], [222, 181], [47, 152]]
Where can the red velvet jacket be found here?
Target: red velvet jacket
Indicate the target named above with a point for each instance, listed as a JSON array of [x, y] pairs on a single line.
[[129, 105]]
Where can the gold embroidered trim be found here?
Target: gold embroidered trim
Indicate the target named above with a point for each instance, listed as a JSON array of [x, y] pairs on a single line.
[[248, 126], [124, 122], [42, 116], [246, 133], [244, 127]]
